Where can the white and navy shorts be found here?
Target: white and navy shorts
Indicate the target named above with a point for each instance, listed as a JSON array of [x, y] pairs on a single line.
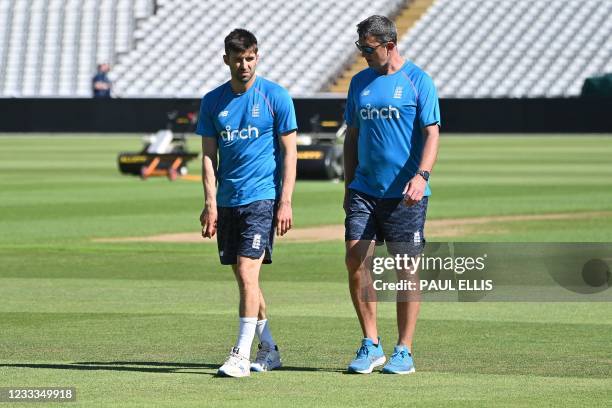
[[246, 230], [386, 220]]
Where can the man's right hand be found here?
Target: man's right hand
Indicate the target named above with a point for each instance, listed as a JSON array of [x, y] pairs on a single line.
[[208, 219]]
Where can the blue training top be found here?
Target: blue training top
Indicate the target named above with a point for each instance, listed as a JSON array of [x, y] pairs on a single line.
[[390, 112], [247, 127]]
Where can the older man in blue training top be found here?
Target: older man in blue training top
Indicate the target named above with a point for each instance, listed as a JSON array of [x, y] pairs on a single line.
[[393, 119]]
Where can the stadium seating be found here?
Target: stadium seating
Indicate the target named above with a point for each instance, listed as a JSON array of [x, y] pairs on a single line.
[[51, 47], [303, 45], [173, 48], [169, 48], [512, 48]]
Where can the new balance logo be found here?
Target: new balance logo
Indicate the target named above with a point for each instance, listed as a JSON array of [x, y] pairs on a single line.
[[388, 112], [397, 94], [255, 111], [223, 114], [417, 237], [256, 241], [229, 135]]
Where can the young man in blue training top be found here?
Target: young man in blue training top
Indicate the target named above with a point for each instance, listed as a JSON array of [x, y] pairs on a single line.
[[390, 148], [250, 123]]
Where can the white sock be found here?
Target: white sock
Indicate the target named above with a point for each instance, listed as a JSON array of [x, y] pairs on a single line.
[[246, 334], [263, 332]]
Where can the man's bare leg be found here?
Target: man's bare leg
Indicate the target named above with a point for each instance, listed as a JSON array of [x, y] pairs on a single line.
[[356, 253], [407, 308], [246, 272]]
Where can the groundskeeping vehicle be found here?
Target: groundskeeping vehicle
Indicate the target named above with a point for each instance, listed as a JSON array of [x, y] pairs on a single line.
[[319, 152], [164, 152]]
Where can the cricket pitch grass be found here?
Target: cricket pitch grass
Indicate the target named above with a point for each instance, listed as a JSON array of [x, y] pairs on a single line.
[[140, 323]]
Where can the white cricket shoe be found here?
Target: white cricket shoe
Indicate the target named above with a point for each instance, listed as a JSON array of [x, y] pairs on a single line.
[[268, 358], [236, 365]]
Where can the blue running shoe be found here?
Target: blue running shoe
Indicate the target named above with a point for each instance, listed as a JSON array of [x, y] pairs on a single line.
[[369, 356], [400, 362]]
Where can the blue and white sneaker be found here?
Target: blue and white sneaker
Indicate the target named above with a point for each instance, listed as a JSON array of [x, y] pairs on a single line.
[[369, 356], [400, 362], [268, 358]]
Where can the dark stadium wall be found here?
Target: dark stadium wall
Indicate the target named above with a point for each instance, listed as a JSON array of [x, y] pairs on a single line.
[[579, 115]]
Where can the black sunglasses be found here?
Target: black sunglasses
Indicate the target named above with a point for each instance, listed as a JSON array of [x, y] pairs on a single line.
[[366, 49]]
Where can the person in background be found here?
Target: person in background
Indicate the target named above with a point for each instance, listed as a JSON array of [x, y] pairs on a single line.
[[101, 84]]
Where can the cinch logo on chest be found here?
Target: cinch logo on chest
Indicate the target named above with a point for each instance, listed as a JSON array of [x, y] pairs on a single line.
[[388, 112], [246, 133]]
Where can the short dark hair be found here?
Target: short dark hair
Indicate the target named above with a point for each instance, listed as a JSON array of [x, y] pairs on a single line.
[[240, 40], [378, 26]]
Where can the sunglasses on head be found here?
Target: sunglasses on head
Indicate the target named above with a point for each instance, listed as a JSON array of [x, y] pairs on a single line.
[[366, 49]]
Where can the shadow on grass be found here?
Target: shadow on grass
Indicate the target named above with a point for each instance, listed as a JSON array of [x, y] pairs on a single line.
[[151, 367]]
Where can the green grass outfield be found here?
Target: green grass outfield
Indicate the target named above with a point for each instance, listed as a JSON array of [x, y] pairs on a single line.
[[147, 324]]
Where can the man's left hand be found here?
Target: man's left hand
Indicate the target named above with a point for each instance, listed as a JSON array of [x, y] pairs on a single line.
[[284, 218], [413, 192]]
